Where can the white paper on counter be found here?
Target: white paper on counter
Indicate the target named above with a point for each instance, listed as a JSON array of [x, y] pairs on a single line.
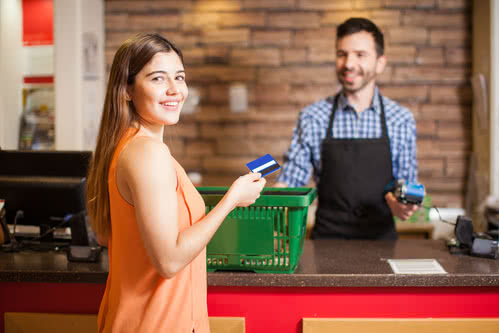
[[416, 266]]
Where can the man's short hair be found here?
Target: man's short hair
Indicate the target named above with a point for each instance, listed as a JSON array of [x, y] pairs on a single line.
[[358, 24]]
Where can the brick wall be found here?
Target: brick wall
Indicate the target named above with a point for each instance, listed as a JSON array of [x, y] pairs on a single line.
[[283, 50]]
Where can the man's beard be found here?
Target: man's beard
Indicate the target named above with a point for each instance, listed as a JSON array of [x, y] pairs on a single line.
[[366, 78]]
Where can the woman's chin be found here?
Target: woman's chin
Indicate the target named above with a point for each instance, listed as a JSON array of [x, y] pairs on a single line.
[[172, 119]]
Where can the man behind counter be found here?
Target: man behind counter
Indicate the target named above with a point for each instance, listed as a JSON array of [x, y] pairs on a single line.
[[370, 141]]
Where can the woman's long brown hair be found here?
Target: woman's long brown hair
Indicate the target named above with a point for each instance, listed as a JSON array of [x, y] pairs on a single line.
[[118, 115]]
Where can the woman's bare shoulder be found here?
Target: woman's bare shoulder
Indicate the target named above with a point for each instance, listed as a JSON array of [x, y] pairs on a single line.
[[144, 154]]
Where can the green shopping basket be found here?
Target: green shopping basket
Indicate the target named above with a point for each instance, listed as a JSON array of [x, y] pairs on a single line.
[[266, 237]]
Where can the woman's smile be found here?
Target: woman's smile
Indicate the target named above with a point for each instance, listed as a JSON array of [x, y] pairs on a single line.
[[171, 105]]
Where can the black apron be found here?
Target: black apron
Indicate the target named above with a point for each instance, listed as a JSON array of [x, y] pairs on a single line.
[[354, 173]]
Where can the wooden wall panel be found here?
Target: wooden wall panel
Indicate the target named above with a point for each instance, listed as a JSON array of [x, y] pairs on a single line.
[[362, 325], [17, 322]]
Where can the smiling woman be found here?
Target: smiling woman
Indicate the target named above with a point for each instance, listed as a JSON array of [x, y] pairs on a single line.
[[159, 90], [143, 205]]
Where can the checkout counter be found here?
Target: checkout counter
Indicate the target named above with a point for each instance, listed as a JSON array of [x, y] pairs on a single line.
[[338, 286]]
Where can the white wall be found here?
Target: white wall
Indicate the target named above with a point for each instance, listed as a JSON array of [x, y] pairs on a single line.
[[11, 68], [38, 60], [93, 77], [79, 72], [494, 99]]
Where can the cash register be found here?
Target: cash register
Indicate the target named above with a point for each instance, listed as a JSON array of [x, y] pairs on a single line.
[[44, 190]]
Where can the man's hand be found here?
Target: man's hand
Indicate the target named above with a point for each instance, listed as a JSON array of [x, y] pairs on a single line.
[[400, 210]]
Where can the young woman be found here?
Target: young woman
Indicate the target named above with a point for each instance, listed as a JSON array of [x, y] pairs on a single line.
[[141, 203]]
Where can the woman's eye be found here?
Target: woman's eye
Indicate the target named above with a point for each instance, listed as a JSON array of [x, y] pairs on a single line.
[[180, 78], [158, 78]]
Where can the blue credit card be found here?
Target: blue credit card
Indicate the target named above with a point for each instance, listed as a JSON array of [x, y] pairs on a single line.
[[265, 165]]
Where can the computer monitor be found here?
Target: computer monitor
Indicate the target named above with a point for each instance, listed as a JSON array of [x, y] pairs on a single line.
[[43, 188]]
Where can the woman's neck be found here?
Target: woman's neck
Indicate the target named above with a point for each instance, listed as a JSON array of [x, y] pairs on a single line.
[[153, 131]]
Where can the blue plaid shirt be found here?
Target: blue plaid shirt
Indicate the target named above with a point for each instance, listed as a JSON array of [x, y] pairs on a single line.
[[303, 156]]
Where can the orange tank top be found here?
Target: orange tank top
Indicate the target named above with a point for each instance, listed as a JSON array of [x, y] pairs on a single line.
[[137, 298]]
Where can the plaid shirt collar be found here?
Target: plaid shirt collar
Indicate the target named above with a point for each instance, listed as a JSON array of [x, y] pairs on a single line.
[[344, 105]]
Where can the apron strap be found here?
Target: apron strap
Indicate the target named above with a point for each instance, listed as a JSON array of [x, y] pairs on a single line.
[[334, 104]]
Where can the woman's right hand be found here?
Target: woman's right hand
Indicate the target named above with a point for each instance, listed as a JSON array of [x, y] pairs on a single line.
[[246, 189]]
